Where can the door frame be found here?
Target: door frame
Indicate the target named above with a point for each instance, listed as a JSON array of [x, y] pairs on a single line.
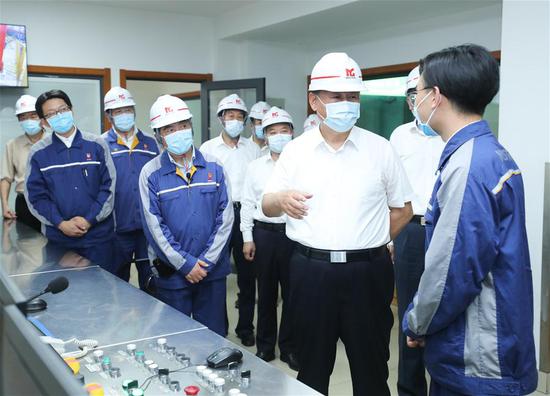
[[258, 83]]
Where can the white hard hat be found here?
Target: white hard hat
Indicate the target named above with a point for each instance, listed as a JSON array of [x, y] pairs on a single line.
[[25, 104], [336, 72], [167, 110], [118, 97], [232, 102], [412, 78], [311, 121], [258, 110], [276, 115]]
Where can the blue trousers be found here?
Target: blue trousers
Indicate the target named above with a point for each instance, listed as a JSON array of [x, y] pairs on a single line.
[[100, 254], [203, 301], [132, 246]]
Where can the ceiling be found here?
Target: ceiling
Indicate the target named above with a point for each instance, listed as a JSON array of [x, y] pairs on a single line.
[[364, 17]]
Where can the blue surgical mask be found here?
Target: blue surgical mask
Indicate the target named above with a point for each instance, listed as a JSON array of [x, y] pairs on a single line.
[[62, 122], [179, 142], [259, 131], [341, 116], [31, 127], [425, 128], [125, 121], [233, 127], [278, 142]]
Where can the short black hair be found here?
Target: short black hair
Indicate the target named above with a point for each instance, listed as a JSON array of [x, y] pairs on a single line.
[[53, 94], [468, 75]]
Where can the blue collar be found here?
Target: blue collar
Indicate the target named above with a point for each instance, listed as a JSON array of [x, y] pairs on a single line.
[[60, 146], [166, 166], [469, 132]]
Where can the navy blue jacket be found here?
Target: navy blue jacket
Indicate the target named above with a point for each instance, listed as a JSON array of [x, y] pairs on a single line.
[[474, 304], [185, 221], [63, 182], [128, 164]]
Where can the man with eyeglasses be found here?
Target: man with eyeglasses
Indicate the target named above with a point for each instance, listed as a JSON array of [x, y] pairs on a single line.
[[187, 218], [419, 153], [130, 149], [70, 183], [14, 162], [235, 153], [473, 311]]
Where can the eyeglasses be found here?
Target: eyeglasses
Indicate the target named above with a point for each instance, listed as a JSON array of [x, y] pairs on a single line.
[[167, 130], [412, 96], [61, 110]]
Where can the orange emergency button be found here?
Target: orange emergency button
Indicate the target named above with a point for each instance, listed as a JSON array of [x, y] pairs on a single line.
[[94, 389]]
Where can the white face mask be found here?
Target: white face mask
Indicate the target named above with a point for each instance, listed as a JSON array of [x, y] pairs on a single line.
[[233, 127], [341, 116]]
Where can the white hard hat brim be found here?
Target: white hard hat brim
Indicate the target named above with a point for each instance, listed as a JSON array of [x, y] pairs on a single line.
[[167, 120], [352, 86]]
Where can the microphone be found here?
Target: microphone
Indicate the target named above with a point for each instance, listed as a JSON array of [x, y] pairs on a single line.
[[33, 304]]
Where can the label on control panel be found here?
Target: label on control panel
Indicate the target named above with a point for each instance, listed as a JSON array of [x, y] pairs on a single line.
[[93, 368]]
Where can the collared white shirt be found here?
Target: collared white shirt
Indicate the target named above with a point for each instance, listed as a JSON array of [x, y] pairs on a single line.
[[128, 140], [420, 156], [258, 173], [263, 149], [67, 141], [353, 188], [182, 167], [233, 159]]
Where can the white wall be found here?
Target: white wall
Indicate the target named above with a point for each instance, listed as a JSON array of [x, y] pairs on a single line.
[[524, 116], [86, 35]]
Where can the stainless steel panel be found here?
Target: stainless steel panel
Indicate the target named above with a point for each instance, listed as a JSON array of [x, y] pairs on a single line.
[[100, 306]]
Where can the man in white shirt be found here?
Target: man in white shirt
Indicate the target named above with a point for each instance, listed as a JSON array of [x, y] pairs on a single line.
[[266, 244], [346, 195], [234, 154], [257, 113], [420, 155]]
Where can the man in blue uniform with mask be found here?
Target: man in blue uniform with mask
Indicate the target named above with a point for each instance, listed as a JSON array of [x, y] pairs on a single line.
[[130, 149], [187, 217], [70, 184], [474, 307]]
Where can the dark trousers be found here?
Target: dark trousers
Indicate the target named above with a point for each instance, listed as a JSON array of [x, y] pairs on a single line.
[[24, 215], [245, 280], [132, 247], [203, 301], [273, 251], [350, 301], [409, 266]]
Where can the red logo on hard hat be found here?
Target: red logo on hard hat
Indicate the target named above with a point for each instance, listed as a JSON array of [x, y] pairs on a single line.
[[274, 114], [121, 96], [168, 110], [237, 101], [209, 176], [350, 72]]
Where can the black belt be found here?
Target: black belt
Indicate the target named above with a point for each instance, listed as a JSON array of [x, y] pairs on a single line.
[[419, 220], [237, 205], [279, 227], [340, 256]]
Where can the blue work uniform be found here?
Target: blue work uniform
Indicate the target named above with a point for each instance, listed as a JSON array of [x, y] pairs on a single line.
[[130, 242], [186, 218], [63, 182], [474, 304]]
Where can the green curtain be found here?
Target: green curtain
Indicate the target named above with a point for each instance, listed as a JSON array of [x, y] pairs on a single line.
[[382, 114]]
